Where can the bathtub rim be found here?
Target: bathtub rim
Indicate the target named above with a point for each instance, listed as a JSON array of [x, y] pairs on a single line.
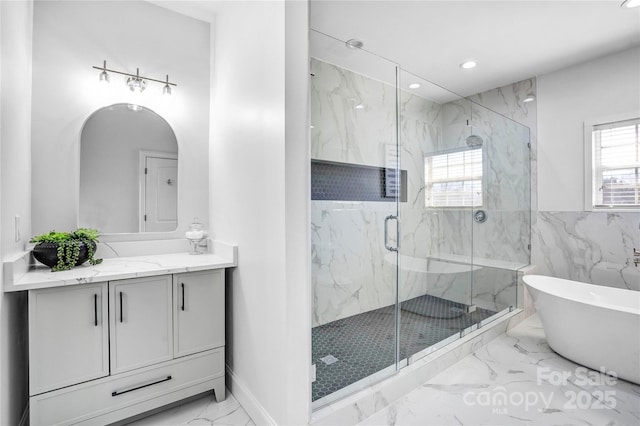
[[538, 282]]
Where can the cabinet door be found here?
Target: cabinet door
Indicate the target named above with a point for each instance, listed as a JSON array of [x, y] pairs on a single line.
[[140, 322], [198, 311], [68, 336]]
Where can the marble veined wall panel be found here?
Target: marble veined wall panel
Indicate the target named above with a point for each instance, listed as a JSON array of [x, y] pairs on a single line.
[[353, 116], [508, 101], [591, 247], [505, 235], [351, 269]]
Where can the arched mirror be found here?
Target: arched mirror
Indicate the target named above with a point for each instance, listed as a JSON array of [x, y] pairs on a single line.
[[128, 171]]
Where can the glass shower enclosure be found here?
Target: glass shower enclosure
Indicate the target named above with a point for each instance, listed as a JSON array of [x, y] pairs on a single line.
[[354, 198], [419, 216]]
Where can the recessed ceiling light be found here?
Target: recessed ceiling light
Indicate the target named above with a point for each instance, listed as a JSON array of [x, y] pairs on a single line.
[[468, 65], [630, 3], [354, 43], [414, 86], [529, 98], [359, 106]]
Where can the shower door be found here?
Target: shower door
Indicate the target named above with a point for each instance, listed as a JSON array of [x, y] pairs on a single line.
[[356, 186], [444, 181], [502, 227]]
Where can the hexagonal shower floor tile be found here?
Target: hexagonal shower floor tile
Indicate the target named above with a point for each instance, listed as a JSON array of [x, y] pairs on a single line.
[[352, 348]]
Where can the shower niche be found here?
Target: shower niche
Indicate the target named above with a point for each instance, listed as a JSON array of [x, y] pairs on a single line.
[[400, 267]]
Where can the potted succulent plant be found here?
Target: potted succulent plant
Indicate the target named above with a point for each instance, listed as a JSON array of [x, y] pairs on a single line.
[[62, 251]]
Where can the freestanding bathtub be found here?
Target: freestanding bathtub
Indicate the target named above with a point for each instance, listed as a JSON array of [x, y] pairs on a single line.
[[596, 326]]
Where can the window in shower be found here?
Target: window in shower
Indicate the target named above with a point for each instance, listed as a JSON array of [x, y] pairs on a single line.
[[453, 179], [615, 165]]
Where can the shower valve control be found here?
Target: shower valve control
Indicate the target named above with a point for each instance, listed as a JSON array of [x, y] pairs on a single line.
[[636, 257], [480, 216]]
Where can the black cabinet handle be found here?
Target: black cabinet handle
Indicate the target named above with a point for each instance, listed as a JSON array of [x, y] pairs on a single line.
[[182, 284], [120, 306], [165, 379], [95, 310]]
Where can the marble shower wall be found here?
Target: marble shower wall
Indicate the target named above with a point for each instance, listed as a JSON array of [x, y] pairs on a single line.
[[592, 247], [508, 101], [349, 270], [352, 272], [506, 234]]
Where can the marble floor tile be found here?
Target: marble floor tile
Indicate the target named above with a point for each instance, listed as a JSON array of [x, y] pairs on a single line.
[[514, 380], [201, 411]]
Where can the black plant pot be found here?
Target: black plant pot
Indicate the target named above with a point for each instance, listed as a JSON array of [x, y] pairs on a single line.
[[47, 253]]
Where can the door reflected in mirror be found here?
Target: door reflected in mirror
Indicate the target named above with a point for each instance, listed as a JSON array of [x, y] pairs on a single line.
[[128, 171]]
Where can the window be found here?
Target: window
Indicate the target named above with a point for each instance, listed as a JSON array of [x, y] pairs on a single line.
[[615, 181], [454, 179]]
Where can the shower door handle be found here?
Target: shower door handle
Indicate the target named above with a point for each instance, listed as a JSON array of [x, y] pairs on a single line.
[[386, 232]]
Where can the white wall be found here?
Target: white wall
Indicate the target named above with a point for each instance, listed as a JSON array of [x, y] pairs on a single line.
[[260, 200], [72, 36], [567, 241], [566, 99], [15, 86]]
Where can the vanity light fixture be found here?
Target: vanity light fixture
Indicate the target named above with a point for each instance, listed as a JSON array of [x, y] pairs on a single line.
[[628, 4], [135, 82]]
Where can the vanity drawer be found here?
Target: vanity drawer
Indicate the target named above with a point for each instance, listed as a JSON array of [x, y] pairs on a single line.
[[88, 400]]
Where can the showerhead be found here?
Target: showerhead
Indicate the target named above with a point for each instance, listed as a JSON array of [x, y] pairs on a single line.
[[474, 141]]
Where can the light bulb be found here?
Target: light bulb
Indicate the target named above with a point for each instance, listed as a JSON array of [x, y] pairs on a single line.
[[136, 84], [104, 77], [166, 90]]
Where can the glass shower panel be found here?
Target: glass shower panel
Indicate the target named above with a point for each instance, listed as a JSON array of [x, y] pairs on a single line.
[[355, 187], [501, 231], [444, 175]]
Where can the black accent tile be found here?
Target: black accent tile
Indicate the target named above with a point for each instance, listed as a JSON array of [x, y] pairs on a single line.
[[354, 182]]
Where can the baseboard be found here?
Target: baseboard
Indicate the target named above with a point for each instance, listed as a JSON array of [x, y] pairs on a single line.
[[24, 420], [248, 401]]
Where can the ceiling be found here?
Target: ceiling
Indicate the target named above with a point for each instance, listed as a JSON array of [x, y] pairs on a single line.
[[511, 40]]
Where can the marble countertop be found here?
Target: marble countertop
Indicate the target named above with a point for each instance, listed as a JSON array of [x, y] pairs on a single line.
[[19, 278]]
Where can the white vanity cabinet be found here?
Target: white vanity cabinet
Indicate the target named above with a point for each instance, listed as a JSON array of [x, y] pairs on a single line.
[[68, 336], [193, 308], [140, 323], [102, 352]]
